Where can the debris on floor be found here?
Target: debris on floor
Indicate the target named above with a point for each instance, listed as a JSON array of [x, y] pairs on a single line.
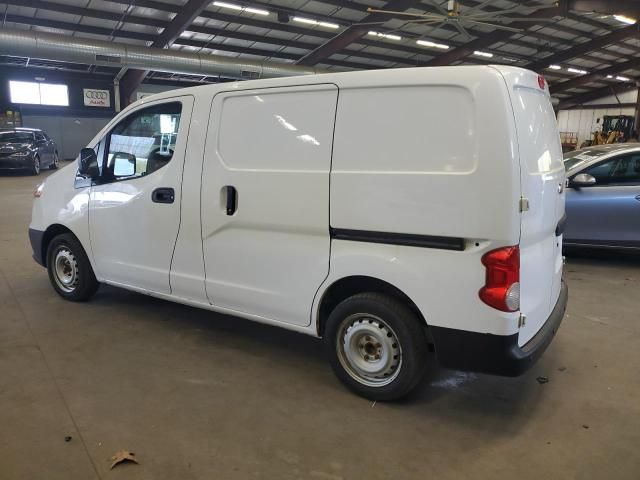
[[542, 380], [68, 438], [121, 457], [562, 369]]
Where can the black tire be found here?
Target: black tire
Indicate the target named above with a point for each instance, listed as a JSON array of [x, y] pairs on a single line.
[[54, 163], [65, 254], [35, 166], [352, 320]]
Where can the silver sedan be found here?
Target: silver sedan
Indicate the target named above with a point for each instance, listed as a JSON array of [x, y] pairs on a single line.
[[603, 196]]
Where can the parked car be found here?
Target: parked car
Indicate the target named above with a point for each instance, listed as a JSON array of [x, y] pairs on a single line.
[[27, 149], [603, 197], [390, 228]]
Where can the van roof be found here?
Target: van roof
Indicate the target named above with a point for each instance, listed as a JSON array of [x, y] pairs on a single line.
[[361, 78]]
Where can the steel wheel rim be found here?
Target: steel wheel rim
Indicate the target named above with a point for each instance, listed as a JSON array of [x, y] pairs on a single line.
[[55, 159], [36, 164], [65, 269], [369, 350]]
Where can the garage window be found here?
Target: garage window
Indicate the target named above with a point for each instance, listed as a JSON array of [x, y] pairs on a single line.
[[37, 93]]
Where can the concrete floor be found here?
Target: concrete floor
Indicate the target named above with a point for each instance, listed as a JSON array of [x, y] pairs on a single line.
[[200, 395]]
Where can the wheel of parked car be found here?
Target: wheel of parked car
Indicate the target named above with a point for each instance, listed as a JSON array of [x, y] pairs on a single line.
[[69, 269], [35, 166], [56, 161], [376, 346]]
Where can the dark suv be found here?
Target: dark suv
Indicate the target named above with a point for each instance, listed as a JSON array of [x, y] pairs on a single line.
[[27, 149]]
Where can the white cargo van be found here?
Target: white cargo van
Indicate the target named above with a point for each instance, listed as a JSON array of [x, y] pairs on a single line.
[[392, 213]]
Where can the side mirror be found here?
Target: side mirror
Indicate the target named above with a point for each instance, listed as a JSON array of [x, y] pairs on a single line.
[[124, 164], [582, 180], [89, 163]]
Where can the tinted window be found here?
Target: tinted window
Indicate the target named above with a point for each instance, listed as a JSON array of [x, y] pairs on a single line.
[[143, 142], [39, 137], [619, 170], [15, 137]]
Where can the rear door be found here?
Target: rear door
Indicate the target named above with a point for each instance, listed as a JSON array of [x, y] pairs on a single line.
[[265, 200], [542, 182]]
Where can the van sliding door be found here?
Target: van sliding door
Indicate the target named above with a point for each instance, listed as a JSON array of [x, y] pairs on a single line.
[[265, 199]]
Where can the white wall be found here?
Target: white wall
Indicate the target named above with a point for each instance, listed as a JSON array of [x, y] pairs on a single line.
[[583, 121]]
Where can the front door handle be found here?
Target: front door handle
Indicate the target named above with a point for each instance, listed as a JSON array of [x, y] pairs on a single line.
[[638, 197], [163, 195]]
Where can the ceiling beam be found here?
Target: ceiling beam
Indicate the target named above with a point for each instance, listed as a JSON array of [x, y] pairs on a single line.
[[485, 41], [185, 17], [288, 27], [594, 95], [351, 34], [629, 8], [595, 76], [347, 63], [217, 32], [586, 47]]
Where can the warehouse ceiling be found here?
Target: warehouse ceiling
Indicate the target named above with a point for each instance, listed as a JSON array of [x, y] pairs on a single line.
[[585, 48]]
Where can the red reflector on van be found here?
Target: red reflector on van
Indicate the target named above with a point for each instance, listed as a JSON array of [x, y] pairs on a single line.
[[541, 81], [502, 282]]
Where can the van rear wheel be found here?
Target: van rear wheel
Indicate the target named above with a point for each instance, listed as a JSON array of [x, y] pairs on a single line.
[[376, 345], [69, 269]]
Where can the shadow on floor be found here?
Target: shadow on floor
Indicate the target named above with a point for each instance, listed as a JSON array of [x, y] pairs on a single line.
[[478, 401]]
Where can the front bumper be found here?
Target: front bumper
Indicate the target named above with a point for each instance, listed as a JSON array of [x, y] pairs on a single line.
[[15, 163], [496, 354], [36, 237]]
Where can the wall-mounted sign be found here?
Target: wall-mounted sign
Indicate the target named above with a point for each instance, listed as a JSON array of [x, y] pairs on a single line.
[[96, 98]]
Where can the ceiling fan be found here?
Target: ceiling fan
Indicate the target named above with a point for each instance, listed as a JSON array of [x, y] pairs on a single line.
[[465, 18]]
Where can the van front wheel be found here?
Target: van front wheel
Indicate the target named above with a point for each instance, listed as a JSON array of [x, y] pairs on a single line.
[[376, 345], [69, 269]]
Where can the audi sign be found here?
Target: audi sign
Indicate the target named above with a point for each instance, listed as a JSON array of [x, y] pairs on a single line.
[[96, 98]]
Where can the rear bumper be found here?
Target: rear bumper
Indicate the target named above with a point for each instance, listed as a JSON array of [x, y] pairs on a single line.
[[36, 237], [496, 354]]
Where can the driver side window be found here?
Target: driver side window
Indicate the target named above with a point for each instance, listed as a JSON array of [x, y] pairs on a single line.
[[619, 170], [143, 142]]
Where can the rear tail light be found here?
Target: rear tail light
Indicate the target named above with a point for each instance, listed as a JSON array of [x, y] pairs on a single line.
[[502, 284]]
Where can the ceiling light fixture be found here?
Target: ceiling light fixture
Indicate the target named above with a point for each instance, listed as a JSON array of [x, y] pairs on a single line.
[[427, 43], [575, 70], [555, 67], [623, 79], [625, 19], [310, 21], [239, 8], [483, 54], [385, 35]]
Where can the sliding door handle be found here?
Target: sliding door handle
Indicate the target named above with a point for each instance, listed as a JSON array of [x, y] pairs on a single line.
[[232, 200]]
